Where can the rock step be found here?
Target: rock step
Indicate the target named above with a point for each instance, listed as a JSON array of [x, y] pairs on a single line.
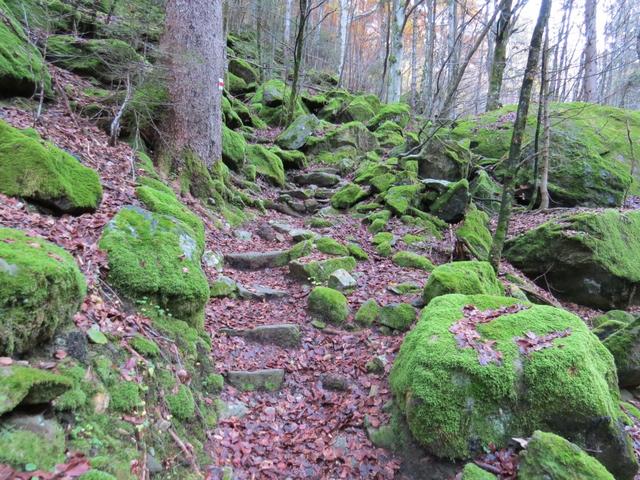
[[281, 335], [319, 178], [260, 292], [257, 260], [269, 380]]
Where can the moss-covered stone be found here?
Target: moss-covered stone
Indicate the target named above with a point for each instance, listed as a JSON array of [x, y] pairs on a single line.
[[352, 136], [586, 258], [452, 204], [242, 69], [399, 113], [358, 109], [125, 396], [223, 287], [473, 472], [234, 148], [384, 242], [41, 288], [24, 448], [332, 247], [107, 60], [29, 386], [145, 347], [551, 456], [486, 193], [443, 159], [460, 398], [469, 278], [295, 135], [624, 345], [40, 172], [402, 197], [328, 305], [267, 163], [357, 252], [22, 68], [291, 159], [181, 404], [156, 256], [615, 315], [270, 99], [368, 313], [409, 259], [319, 222], [347, 196], [397, 316], [475, 235], [320, 270]]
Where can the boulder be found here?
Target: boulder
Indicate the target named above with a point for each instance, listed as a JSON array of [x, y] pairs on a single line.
[[551, 456], [295, 135], [586, 258], [347, 196], [409, 259], [624, 345], [282, 335], [479, 370], [452, 204], [474, 234], [486, 193], [266, 163], [469, 278], [328, 305], [267, 380], [234, 149], [223, 287], [358, 110], [368, 313], [38, 171], [157, 256], [342, 280], [402, 197], [291, 159], [442, 159], [319, 178], [320, 270], [331, 246], [352, 135], [399, 113], [397, 316], [273, 259], [242, 69], [41, 288], [22, 385]]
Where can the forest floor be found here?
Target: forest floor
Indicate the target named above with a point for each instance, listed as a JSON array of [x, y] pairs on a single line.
[[304, 430]]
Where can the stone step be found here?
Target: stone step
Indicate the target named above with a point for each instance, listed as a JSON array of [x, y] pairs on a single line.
[[269, 380], [321, 179], [260, 292], [281, 335], [257, 260]]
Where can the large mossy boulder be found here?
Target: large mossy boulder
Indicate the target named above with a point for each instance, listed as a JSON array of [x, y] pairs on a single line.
[[486, 192], [468, 278], [243, 69], [22, 68], [479, 370], [270, 100], [399, 113], [234, 149], [107, 60], [590, 258], [357, 110], [41, 288], [590, 153], [474, 234], [38, 171], [295, 135], [267, 164], [452, 204], [156, 256], [443, 159], [347, 196], [328, 305], [551, 456], [20, 385], [352, 135], [624, 345]]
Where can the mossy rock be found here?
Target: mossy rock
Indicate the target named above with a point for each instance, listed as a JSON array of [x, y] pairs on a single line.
[[234, 149], [332, 247], [486, 193], [368, 313], [409, 259], [586, 258], [397, 316], [624, 345], [469, 278], [157, 257], [352, 135], [21, 385], [328, 305], [295, 135], [39, 171], [347, 196], [551, 456], [267, 164], [402, 197], [320, 270], [41, 288], [235, 84], [460, 398], [443, 159], [452, 205], [31, 441], [291, 159], [358, 110], [181, 404], [357, 252], [473, 472], [22, 68], [107, 60], [616, 315], [474, 234], [242, 69], [399, 113], [270, 102]]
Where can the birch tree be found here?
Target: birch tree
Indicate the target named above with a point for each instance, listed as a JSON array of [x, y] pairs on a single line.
[[396, 52]]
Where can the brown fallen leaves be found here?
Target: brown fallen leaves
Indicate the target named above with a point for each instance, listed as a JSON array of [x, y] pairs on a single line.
[[76, 466]]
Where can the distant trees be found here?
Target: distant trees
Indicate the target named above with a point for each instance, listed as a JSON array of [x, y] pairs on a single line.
[[499, 62]]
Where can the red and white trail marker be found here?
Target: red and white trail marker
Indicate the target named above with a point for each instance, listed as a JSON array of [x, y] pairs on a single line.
[[221, 84]]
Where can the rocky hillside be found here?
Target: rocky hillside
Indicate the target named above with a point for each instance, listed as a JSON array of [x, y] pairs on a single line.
[[329, 312]]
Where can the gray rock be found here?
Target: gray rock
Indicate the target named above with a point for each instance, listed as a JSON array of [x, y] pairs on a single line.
[[281, 227], [243, 235], [268, 380], [295, 135], [213, 260], [299, 234], [232, 409], [282, 335], [321, 179], [153, 465], [257, 260], [267, 232], [223, 287], [342, 280], [260, 292], [332, 381]]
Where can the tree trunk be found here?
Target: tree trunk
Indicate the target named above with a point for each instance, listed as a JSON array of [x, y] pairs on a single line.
[[396, 53], [427, 78], [564, 37], [499, 61], [286, 37], [305, 11], [344, 25], [454, 49], [590, 79], [193, 46], [509, 177], [414, 61], [546, 127]]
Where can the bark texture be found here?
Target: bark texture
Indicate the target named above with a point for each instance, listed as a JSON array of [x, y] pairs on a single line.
[[499, 61], [590, 79]]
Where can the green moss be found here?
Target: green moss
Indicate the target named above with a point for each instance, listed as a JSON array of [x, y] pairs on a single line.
[[125, 397], [295, 135], [397, 316], [181, 404], [615, 315], [267, 164], [22, 67], [21, 447], [398, 113], [378, 225], [332, 247], [402, 197], [235, 84], [412, 260], [144, 346], [328, 305], [384, 242], [158, 257], [456, 405], [213, 383], [77, 398], [411, 239], [486, 192], [234, 148], [319, 271], [317, 222], [357, 252], [349, 139], [291, 159], [548, 455], [41, 288], [451, 205], [347, 196], [472, 472], [29, 386], [223, 287], [39, 171], [623, 345], [469, 278], [368, 313], [97, 475], [475, 235]]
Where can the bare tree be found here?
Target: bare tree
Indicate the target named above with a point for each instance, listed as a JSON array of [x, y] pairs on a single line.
[[515, 150], [396, 52], [193, 46], [499, 61]]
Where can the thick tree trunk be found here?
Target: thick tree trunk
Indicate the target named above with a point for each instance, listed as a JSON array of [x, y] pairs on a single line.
[[499, 61], [546, 127], [590, 79], [427, 77], [305, 11], [193, 46], [287, 38], [515, 150], [414, 61], [344, 25], [396, 52], [564, 37]]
